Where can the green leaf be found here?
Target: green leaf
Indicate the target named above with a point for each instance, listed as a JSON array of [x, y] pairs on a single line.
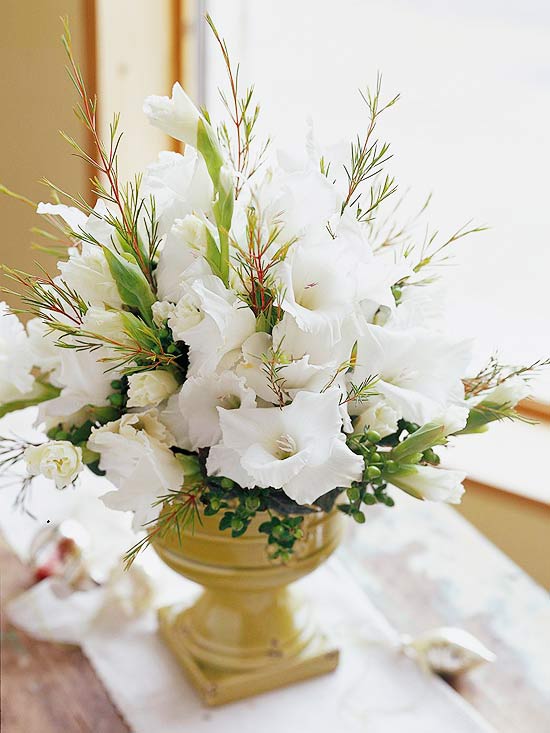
[[213, 254], [131, 283], [208, 147], [425, 437], [41, 392], [483, 414], [225, 521]]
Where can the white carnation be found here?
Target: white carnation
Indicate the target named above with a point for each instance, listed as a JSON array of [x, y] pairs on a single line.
[[57, 460], [150, 388], [136, 457]]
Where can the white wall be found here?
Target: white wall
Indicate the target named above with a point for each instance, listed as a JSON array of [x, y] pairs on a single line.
[[472, 126]]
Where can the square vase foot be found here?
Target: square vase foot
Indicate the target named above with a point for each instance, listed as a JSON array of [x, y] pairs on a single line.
[[217, 685]]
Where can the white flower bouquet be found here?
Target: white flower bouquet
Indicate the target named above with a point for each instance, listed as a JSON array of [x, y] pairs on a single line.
[[234, 332]]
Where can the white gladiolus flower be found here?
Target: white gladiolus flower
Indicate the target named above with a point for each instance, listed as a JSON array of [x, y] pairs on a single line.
[[87, 272], [299, 448], [294, 375], [431, 484], [453, 419], [57, 460], [319, 288], [419, 373], [45, 354], [136, 457], [508, 393], [15, 358], [180, 185], [185, 244], [292, 194], [177, 116], [192, 415], [85, 381], [297, 343], [73, 217], [150, 388], [213, 321]]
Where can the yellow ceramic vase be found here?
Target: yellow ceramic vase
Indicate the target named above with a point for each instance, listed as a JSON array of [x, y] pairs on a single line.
[[248, 632]]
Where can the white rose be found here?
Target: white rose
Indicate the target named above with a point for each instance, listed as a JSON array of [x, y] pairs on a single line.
[[186, 315], [150, 388], [57, 460], [432, 484], [162, 310], [378, 416], [15, 358], [88, 273], [177, 116], [136, 457]]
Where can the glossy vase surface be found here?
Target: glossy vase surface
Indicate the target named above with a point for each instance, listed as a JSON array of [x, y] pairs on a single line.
[[248, 632]]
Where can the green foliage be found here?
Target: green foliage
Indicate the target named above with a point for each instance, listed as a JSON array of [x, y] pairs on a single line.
[[427, 436], [41, 392], [368, 158], [131, 283], [207, 145]]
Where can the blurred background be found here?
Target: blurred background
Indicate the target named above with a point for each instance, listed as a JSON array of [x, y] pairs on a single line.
[[470, 128]]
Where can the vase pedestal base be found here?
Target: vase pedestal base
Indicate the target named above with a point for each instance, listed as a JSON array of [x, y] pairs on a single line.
[[247, 676]]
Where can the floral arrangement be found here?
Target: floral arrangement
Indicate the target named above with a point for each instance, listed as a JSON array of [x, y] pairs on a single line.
[[233, 333]]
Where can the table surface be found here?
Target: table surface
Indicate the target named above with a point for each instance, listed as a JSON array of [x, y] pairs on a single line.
[[423, 566]]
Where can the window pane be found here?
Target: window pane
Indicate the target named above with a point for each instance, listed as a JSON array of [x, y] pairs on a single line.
[[471, 127]]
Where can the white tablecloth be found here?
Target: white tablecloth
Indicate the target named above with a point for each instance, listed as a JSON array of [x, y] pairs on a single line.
[[375, 688]]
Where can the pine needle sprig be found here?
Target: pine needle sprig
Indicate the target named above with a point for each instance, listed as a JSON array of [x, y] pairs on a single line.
[[368, 156], [179, 513], [360, 392], [273, 365], [243, 114], [493, 374], [142, 349], [124, 198], [12, 450], [255, 263], [45, 297], [433, 253]]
